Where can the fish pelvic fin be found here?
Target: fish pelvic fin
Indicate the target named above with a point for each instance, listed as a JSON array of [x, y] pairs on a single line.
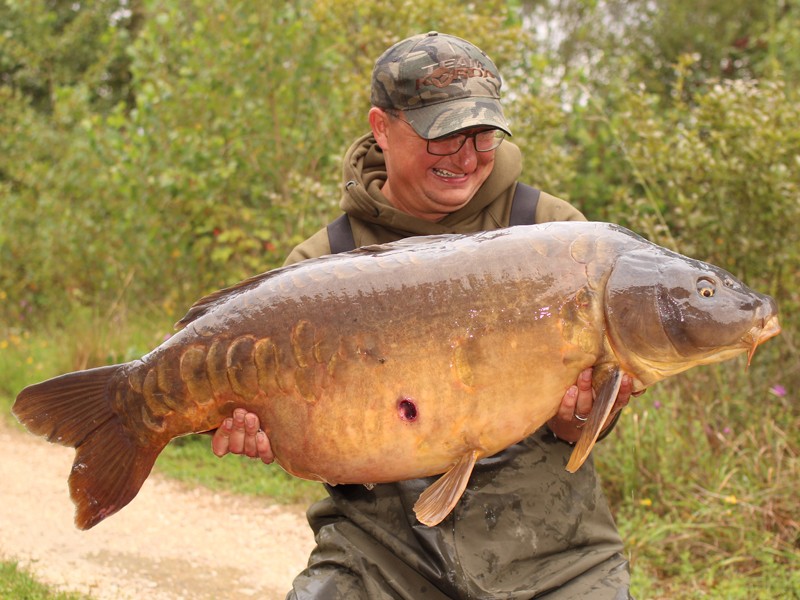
[[76, 410], [605, 397], [440, 498]]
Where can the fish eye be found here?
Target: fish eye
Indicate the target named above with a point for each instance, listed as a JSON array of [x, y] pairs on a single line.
[[706, 287]]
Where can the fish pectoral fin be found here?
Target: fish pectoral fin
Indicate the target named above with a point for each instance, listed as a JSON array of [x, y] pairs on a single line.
[[436, 502], [606, 396]]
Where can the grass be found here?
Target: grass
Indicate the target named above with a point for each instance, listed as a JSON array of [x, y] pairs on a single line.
[[702, 472], [84, 339], [190, 459], [18, 585], [705, 488]]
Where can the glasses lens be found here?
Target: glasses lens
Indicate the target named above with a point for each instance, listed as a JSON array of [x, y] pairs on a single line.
[[489, 140], [446, 145], [484, 141]]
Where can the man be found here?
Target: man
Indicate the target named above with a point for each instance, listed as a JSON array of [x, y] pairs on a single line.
[[436, 162]]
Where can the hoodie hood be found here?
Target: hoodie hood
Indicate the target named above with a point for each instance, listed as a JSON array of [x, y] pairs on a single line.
[[364, 173]]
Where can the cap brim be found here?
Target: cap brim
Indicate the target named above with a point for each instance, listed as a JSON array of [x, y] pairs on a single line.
[[442, 119]]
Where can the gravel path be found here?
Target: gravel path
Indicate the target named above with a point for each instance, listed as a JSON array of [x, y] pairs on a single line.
[[172, 542]]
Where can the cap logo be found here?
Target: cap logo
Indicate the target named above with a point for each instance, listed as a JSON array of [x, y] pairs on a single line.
[[448, 71]]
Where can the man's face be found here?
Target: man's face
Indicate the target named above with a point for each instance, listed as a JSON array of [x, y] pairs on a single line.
[[421, 184]]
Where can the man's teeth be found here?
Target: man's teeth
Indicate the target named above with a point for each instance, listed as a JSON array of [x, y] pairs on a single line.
[[443, 173]]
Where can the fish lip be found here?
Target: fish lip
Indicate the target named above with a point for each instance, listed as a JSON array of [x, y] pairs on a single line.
[[769, 328]]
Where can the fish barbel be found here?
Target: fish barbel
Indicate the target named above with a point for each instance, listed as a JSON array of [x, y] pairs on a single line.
[[404, 360]]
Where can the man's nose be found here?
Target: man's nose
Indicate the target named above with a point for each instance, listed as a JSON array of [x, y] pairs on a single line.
[[467, 156]]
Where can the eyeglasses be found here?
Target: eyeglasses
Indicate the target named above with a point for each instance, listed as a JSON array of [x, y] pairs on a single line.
[[483, 141]]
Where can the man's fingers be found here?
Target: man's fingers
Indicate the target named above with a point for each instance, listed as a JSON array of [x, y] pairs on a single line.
[[264, 448], [584, 401], [237, 435], [567, 409], [220, 443], [624, 394], [250, 431], [242, 434]]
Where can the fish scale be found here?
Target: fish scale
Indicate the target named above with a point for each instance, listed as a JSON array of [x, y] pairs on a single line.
[[193, 374]]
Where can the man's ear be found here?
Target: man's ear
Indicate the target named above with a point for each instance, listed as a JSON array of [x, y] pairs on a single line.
[[379, 122]]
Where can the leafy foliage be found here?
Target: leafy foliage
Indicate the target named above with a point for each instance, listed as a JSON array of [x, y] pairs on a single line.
[[641, 40], [225, 159]]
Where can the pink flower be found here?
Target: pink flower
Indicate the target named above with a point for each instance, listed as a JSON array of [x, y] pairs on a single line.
[[778, 390]]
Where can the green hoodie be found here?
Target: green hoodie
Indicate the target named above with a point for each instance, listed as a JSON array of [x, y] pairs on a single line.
[[375, 221], [524, 526]]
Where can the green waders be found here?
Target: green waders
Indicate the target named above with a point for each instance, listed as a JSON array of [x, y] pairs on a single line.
[[525, 528]]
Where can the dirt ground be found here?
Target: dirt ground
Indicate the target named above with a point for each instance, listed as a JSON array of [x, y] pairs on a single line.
[[172, 542]]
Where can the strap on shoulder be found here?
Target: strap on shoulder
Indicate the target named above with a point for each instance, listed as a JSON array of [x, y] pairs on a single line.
[[340, 235], [523, 206], [523, 212]]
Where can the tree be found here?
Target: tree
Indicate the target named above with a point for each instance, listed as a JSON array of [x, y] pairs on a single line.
[[622, 40]]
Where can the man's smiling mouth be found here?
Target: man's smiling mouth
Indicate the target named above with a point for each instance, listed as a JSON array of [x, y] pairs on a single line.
[[447, 174]]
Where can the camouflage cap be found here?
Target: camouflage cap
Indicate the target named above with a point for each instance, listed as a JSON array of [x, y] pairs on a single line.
[[442, 84]]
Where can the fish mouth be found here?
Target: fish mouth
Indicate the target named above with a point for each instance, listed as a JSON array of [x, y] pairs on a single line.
[[769, 328]]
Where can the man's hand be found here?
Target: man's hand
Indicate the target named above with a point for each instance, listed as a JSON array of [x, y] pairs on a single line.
[[577, 404], [242, 434]]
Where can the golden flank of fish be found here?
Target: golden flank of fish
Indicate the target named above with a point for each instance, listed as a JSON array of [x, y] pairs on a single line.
[[404, 360]]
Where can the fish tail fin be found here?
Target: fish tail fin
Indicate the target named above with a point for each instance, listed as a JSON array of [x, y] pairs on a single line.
[[606, 396], [108, 471], [76, 410]]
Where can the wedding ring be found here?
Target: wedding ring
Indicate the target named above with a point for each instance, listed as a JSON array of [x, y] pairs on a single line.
[[582, 420]]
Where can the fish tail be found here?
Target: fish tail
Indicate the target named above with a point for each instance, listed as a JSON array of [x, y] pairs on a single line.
[[76, 410]]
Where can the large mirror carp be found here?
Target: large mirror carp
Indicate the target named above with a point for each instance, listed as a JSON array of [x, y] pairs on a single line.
[[404, 360]]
